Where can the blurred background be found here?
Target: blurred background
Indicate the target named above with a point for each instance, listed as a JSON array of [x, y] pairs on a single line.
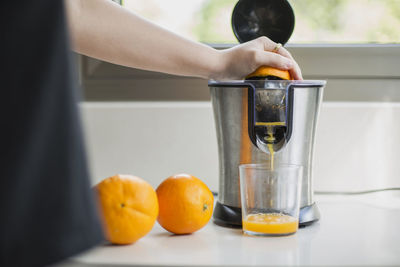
[[317, 21]]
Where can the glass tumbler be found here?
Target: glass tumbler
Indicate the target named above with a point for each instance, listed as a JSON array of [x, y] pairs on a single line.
[[270, 199]]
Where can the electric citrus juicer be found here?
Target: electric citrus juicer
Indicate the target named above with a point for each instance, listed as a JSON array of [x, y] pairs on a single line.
[[257, 117]]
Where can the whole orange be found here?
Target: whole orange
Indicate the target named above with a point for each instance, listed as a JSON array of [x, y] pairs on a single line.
[[128, 206], [186, 204]]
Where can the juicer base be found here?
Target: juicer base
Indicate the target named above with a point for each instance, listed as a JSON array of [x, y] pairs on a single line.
[[228, 216], [308, 215]]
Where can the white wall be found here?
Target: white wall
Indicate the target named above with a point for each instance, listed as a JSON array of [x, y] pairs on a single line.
[[152, 140], [358, 144]]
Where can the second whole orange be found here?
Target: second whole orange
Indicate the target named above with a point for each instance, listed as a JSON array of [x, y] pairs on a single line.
[[185, 204], [128, 206]]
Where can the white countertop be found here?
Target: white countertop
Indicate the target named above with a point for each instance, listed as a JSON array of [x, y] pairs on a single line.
[[362, 230]]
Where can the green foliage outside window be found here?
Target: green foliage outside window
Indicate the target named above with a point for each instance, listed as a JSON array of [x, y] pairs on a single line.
[[317, 21]]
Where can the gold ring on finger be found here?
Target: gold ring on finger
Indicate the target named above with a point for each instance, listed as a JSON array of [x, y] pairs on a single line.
[[277, 47]]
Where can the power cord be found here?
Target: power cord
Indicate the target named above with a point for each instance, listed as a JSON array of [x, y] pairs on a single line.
[[356, 192], [346, 193]]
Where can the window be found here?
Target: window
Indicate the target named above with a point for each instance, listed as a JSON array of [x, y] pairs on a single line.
[[354, 44], [317, 21]]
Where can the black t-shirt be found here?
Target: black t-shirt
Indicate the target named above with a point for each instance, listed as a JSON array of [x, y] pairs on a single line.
[[46, 206]]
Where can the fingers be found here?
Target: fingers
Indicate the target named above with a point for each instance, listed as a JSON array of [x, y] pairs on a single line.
[[295, 72], [274, 60], [269, 45], [266, 43]]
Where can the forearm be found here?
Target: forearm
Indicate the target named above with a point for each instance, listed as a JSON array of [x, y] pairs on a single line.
[[104, 30]]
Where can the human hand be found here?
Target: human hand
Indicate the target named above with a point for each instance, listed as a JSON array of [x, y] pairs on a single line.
[[239, 61]]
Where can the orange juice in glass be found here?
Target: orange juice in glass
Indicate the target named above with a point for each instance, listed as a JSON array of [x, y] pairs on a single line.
[[270, 199]]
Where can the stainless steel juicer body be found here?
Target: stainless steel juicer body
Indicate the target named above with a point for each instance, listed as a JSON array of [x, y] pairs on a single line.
[[235, 105]]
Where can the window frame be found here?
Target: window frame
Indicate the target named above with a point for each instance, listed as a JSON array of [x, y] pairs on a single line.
[[355, 72]]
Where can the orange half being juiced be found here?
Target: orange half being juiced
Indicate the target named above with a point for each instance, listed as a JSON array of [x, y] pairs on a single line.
[[269, 72]]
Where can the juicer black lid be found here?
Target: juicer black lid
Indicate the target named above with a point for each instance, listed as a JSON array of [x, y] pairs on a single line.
[[255, 18]]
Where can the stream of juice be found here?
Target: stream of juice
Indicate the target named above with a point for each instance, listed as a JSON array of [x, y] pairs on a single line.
[[270, 138], [272, 223]]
